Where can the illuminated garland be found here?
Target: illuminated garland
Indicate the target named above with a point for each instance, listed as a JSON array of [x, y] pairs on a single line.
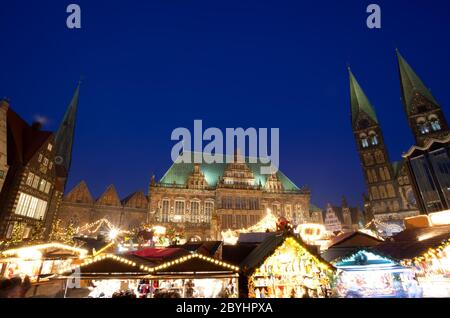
[[103, 257], [321, 263], [433, 252], [154, 269], [187, 258], [17, 251], [98, 224]]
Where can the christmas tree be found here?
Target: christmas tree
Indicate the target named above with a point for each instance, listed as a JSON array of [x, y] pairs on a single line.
[[37, 234], [56, 233], [17, 234]]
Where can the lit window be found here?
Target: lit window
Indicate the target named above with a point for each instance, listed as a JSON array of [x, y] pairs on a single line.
[[423, 128], [364, 143], [30, 206], [435, 125], [195, 213], [209, 208], [30, 178], [179, 211], [50, 165], [374, 140], [165, 211], [36, 182], [47, 187], [45, 162], [42, 185], [40, 158], [49, 147]]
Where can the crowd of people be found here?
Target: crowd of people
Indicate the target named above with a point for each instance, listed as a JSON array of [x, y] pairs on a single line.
[[14, 287]]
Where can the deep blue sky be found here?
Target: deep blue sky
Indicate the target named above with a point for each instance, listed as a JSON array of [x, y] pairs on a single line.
[[152, 66]]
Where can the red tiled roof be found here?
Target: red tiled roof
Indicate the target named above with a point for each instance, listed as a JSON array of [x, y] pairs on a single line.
[[159, 254], [23, 138]]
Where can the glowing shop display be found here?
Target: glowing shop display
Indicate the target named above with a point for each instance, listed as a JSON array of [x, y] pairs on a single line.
[[290, 272], [367, 275], [197, 288], [440, 218], [433, 271], [311, 233], [165, 288], [269, 222]]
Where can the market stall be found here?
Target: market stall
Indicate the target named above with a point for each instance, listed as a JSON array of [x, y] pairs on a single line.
[[153, 273], [282, 266], [433, 270], [39, 261], [193, 276], [364, 274], [426, 251]]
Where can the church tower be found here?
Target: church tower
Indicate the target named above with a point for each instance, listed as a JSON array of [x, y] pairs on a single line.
[[425, 117], [63, 157], [378, 171]]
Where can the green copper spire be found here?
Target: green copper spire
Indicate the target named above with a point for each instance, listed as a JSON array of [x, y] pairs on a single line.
[[65, 134], [411, 83], [359, 100]]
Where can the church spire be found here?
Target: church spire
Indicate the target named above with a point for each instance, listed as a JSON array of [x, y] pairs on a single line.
[[359, 101], [65, 134], [411, 84]]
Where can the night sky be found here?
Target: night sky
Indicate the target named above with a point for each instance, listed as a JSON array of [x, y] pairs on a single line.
[[151, 66]]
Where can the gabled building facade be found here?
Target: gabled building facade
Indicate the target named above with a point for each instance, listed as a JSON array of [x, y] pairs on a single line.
[[206, 199], [343, 218], [79, 208], [33, 181], [30, 182]]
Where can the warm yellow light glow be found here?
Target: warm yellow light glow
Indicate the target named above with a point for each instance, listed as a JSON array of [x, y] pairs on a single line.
[[269, 222], [113, 234], [159, 230], [440, 218], [20, 251]]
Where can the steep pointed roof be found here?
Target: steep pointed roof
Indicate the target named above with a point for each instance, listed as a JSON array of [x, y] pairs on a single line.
[[65, 134], [411, 83], [359, 100], [80, 194], [109, 197], [135, 200]]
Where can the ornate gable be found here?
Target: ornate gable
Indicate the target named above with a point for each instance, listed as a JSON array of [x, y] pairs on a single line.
[[273, 184], [109, 197], [238, 172], [197, 179], [80, 194]]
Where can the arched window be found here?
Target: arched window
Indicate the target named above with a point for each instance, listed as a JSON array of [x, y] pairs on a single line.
[[434, 122], [375, 194], [195, 211], [391, 191], [422, 126], [364, 140], [373, 138], [383, 194], [387, 174], [365, 143]]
